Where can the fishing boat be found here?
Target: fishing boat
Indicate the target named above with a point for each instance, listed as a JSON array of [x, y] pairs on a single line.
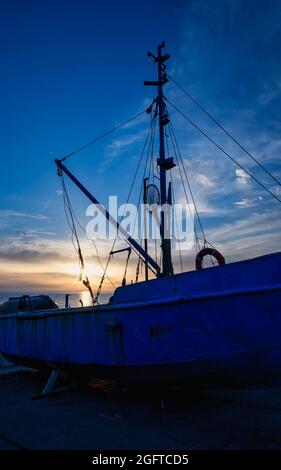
[[217, 324]]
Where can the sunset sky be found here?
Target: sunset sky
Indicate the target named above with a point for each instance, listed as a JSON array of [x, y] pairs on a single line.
[[73, 69]]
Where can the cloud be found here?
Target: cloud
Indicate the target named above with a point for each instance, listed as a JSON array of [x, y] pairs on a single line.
[[241, 173], [242, 178], [45, 282], [205, 181], [117, 146], [31, 255], [243, 239], [213, 37], [251, 246], [246, 202], [235, 74], [271, 91], [256, 224], [45, 254], [28, 248], [36, 233], [14, 213]]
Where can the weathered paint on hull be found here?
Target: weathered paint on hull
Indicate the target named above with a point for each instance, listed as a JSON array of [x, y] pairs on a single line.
[[222, 323]]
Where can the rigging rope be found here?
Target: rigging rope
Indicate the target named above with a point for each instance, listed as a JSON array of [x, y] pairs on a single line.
[[149, 151], [128, 197], [176, 222], [71, 224], [179, 160], [96, 249], [126, 266], [223, 129], [223, 151], [173, 200], [96, 139], [101, 280], [152, 173], [150, 146], [178, 154]]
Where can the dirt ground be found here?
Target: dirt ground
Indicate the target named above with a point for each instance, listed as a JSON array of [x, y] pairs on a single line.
[[107, 417]]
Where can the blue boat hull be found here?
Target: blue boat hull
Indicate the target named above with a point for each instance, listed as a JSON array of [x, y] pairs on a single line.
[[219, 325]]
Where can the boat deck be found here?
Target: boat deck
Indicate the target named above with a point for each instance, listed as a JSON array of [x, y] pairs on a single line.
[[104, 417]]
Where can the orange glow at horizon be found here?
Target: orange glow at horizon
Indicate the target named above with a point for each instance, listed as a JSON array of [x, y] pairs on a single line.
[[58, 276]]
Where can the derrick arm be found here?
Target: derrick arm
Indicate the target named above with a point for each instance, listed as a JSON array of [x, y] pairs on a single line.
[[153, 265]]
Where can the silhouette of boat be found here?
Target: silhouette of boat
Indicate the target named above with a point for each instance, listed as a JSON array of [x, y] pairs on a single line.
[[220, 324]]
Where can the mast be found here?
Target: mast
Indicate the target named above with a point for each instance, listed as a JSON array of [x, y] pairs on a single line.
[[164, 163]]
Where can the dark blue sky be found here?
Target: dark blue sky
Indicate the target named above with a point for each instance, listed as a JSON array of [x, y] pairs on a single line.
[[70, 70]]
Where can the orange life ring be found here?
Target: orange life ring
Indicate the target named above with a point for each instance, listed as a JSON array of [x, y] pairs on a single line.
[[208, 251]]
